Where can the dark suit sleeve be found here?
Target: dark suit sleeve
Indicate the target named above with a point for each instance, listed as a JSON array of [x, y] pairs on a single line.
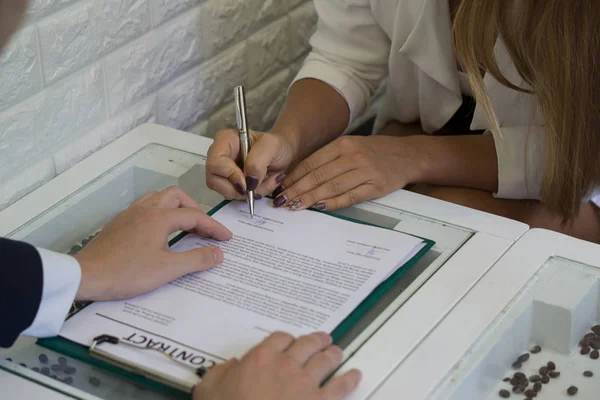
[[21, 286]]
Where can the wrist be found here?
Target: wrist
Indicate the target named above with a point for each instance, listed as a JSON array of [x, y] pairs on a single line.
[[414, 148], [86, 291], [292, 138]]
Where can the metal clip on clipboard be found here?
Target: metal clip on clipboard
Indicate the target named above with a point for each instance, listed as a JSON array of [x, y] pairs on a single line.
[[119, 362]]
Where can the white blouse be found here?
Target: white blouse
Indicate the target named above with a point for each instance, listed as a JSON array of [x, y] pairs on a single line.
[[358, 43]]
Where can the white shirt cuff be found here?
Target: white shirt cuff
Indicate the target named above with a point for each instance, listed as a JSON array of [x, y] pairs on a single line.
[[62, 275]]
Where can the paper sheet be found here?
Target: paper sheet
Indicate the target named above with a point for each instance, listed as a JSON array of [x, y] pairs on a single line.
[[297, 272]]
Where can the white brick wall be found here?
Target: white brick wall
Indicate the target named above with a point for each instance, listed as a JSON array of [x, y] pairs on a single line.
[[80, 73]]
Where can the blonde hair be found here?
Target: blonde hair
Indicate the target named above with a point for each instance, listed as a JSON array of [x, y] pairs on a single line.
[[555, 46]]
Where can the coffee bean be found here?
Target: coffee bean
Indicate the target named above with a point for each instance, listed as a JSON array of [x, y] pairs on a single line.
[[68, 380], [23, 365], [505, 394], [584, 342], [43, 358], [554, 374], [551, 366], [589, 335], [35, 369], [94, 381], [518, 389], [53, 376], [572, 390], [596, 329], [534, 378], [45, 371], [62, 360], [516, 365], [544, 379], [544, 370], [56, 367], [530, 393], [594, 355], [585, 350], [588, 374], [507, 379], [595, 343], [70, 370], [523, 357], [537, 386], [520, 376], [535, 349], [514, 381]]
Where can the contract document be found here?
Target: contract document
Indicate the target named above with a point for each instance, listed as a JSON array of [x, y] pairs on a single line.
[[297, 272]]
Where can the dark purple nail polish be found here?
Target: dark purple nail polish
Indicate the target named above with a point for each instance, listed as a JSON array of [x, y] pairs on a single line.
[[257, 197], [320, 206], [279, 201], [251, 182], [278, 191], [280, 178], [240, 189], [294, 205]]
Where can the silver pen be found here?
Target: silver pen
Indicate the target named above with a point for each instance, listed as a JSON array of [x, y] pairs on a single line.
[[242, 124]]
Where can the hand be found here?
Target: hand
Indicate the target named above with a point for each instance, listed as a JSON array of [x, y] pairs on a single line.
[[270, 155], [281, 368], [350, 170], [131, 255]]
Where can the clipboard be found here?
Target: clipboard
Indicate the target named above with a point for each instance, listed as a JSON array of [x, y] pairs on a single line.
[[140, 374]]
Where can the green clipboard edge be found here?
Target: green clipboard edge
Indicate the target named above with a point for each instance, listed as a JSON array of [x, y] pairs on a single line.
[[80, 352]]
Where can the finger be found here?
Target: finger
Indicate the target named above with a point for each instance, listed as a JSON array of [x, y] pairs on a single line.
[[351, 198], [306, 346], [195, 260], [323, 156], [173, 197], [218, 372], [341, 386], [188, 219], [326, 182], [224, 187], [278, 341], [221, 160], [323, 363], [262, 154], [270, 183]]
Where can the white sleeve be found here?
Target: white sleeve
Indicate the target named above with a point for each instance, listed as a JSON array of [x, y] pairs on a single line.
[[350, 52], [520, 151], [62, 275]]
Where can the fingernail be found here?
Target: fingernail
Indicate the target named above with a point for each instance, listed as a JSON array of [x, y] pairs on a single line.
[[218, 255], [278, 190], [257, 197], [296, 204], [251, 182], [326, 338], [240, 189], [279, 201], [280, 178], [320, 206]]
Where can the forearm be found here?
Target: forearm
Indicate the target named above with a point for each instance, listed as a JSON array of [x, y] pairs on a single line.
[[463, 161], [314, 114]]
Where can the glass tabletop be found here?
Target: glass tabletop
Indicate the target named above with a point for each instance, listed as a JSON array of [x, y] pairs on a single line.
[[69, 225]]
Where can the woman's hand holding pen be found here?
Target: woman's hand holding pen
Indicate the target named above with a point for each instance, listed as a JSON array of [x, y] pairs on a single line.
[[269, 157]]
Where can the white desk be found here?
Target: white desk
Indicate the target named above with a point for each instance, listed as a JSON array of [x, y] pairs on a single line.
[[75, 205]]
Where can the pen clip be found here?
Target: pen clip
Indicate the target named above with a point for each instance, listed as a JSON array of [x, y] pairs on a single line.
[[240, 109]]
